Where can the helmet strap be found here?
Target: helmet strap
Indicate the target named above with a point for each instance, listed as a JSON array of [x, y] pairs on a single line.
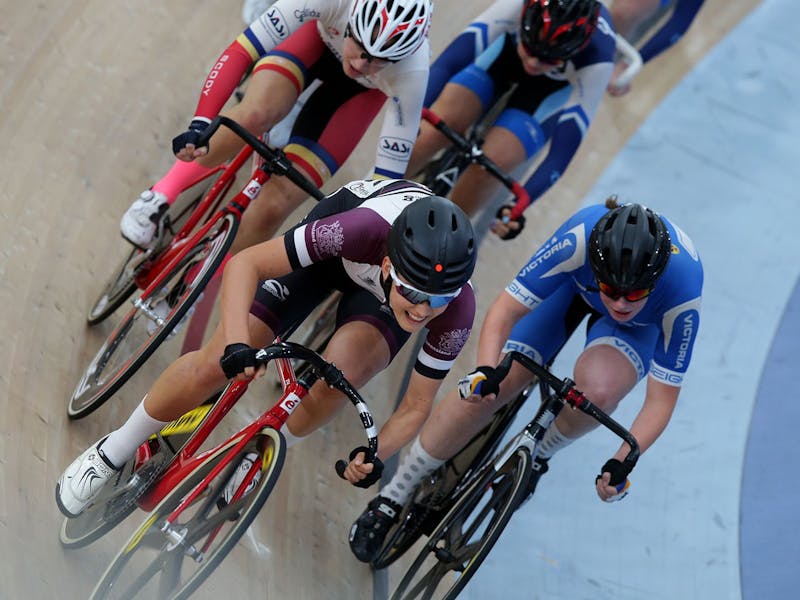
[[386, 284]]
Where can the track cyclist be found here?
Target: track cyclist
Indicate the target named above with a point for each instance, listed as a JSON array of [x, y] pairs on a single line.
[[559, 54], [639, 278], [402, 259], [362, 51]]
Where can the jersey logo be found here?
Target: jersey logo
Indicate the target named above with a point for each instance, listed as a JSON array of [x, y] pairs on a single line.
[[395, 147], [276, 288], [451, 342], [687, 334], [306, 13], [328, 238], [275, 19]]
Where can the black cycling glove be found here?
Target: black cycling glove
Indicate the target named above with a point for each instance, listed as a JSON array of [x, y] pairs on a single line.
[[369, 457], [505, 211], [484, 380], [236, 358], [190, 136], [619, 472]]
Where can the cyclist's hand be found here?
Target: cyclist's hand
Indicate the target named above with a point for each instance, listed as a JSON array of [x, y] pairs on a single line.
[[505, 227], [184, 146], [239, 362], [618, 90], [360, 471], [612, 484], [483, 381]]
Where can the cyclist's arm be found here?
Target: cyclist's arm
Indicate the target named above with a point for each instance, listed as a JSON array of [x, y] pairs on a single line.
[[683, 13], [253, 43], [401, 121], [569, 126], [407, 420], [502, 16], [500, 319], [659, 403], [240, 281]]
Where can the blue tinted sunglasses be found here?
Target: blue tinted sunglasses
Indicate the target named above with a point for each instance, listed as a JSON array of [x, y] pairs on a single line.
[[415, 296]]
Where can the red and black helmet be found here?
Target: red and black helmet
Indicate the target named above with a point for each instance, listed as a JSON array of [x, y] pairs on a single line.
[[557, 29]]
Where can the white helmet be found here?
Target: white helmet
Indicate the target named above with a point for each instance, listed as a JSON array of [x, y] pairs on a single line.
[[390, 29]]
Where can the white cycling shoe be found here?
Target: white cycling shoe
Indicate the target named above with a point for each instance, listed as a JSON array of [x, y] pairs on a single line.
[[82, 481], [140, 221]]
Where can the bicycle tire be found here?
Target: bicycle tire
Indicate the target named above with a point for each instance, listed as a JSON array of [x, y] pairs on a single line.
[[117, 361], [492, 499], [436, 495], [118, 498], [119, 287], [204, 520], [122, 284]]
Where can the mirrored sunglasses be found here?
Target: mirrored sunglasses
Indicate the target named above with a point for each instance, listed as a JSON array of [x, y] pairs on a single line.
[[415, 296], [615, 294]]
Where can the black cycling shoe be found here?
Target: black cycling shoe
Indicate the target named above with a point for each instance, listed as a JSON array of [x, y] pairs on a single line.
[[539, 468], [370, 529]]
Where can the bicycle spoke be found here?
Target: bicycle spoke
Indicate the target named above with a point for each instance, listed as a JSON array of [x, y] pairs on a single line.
[[429, 582], [173, 558], [170, 574], [464, 538]]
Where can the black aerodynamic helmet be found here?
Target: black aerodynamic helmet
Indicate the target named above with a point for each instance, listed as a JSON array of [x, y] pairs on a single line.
[[432, 245], [557, 29], [629, 248]]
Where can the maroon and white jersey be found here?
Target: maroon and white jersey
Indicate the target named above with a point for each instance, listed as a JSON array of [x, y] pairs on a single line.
[[357, 235]]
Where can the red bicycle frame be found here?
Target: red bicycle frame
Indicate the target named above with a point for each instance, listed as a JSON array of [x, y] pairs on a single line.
[[187, 458], [149, 279]]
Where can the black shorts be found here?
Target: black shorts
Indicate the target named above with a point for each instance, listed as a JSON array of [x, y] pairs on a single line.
[[285, 302]]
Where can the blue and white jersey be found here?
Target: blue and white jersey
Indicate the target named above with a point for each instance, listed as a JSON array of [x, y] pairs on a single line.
[[673, 306], [551, 111]]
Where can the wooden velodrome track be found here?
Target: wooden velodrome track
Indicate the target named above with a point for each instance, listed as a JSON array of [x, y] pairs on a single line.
[[91, 94]]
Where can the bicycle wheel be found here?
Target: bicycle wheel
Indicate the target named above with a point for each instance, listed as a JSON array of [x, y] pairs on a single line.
[[402, 536], [122, 284], [117, 289], [132, 342], [467, 534], [171, 560], [437, 493], [119, 495]]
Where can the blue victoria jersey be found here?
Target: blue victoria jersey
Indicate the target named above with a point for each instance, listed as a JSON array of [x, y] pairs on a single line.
[[673, 306]]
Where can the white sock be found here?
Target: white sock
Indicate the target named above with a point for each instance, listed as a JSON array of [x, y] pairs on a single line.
[[415, 466], [121, 444], [291, 439], [552, 442]]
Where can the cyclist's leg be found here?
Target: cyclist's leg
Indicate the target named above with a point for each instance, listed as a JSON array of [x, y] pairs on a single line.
[[463, 100], [275, 84], [365, 342], [332, 121], [518, 134], [614, 360], [540, 334], [459, 107], [628, 15]]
